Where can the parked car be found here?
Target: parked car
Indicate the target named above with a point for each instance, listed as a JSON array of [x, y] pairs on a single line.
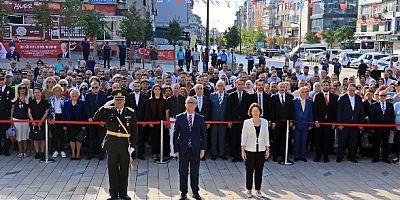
[[385, 61], [314, 54], [369, 58]]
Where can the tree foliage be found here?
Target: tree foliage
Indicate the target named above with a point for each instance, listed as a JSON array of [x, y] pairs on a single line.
[[135, 28], [3, 19], [174, 32], [92, 23], [344, 34], [280, 40], [221, 40], [311, 38], [232, 37], [250, 37], [71, 14], [329, 36], [42, 15]]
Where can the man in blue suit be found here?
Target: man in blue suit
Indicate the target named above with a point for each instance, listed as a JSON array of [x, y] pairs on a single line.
[[350, 109], [218, 131], [190, 142], [303, 114]]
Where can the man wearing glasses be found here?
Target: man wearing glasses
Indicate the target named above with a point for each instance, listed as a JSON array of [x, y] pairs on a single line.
[[382, 112]]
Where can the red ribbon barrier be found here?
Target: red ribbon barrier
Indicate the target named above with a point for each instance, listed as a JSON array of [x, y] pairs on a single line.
[[207, 122]]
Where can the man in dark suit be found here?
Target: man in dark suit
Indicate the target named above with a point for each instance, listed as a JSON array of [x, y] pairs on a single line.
[[325, 108], [190, 142], [138, 101], [203, 108], [218, 131], [282, 110], [382, 112], [236, 110], [263, 99], [93, 101], [6, 95], [302, 115], [350, 109]]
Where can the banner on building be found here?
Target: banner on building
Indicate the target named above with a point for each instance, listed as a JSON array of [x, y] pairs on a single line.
[[366, 2], [47, 49], [167, 55], [103, 1]]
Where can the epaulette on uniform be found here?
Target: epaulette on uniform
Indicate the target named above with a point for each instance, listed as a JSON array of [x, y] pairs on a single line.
[[131, 109]]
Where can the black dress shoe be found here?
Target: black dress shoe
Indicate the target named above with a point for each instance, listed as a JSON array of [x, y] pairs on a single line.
[[375, 160], [197, 196], [37, 155], [183, 197], [234, 160], [339, 160], [387, 161], [89, 157], [213, 157], [6, 153], [203, 158], [353, 160], [223, 158], [239, 160], [125, 197], [317, 159], [296, 159], [275, 159], [326, 159], [304, 159]]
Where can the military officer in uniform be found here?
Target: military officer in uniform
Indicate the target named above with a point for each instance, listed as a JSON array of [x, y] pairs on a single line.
[[119, 142], [6, 95]]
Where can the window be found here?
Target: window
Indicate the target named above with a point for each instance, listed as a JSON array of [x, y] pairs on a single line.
[[15, 19], [375, 27], [363, 28], [388, 26], [398, 24]]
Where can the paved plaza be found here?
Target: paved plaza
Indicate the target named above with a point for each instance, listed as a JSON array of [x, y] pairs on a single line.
[[28, 179]]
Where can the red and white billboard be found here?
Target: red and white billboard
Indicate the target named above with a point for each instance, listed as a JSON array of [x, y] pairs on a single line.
[[48, 49]]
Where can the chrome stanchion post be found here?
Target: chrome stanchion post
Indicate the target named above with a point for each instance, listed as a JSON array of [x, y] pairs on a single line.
[[287, 146], [46, 137], [162, 144]]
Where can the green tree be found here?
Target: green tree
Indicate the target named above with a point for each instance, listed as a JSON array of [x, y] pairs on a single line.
[[71, 14], [221, 40], [92, 24], [42, 16], [344, 34], [329, 36], [232, 37], [135, 28], [250, 37], [311, 38], [3, 20], [173, 34]]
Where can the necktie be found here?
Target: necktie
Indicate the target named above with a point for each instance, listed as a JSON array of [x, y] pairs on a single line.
[[220, 99], [383, 107], [190, 129], [326, 99], [259, 99], [240, 97], [199, 103], [303, 104], [282, 99]]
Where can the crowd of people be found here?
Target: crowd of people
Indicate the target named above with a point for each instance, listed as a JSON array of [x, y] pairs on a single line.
[[301, 97]]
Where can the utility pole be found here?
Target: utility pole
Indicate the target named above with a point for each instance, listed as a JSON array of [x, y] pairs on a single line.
[[240, 30], [207, 35]]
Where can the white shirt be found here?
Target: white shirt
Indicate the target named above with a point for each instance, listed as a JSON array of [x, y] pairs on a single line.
[[352, 101], [3, 88], [220, 95], [281, 97], [249, 136], [199, 102], [57, 106], [187, 115], [260, 97], [137, 96]]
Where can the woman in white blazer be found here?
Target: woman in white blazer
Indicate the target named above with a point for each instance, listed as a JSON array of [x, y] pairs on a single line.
[[255, 148]]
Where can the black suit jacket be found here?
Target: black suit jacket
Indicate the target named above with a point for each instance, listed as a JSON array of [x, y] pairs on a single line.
[[235, 110], [323, 113], [5, 102], [282, 112], [205, 109], [377, 117], [346, 114], [90, 103], [266, 104], [142, 108]]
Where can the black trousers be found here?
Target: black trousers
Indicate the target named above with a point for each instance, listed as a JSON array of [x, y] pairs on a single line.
[[122, 60], [106, 61], [254, 166], [189, 160], [381, 141], [187, 65], [95, 138], [4, 141], [86, 55], [180, 63], [236, 136], [141, 140], [156, 140], [322, 136], [279, 146], [58, 135], [397, 143], [118, 164], [348, 137]]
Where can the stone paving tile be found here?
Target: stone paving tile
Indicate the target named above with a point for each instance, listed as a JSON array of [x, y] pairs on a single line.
[[88, 180]]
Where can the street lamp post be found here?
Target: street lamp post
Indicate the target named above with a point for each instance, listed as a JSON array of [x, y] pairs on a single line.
[[240, 30], [206, 57]]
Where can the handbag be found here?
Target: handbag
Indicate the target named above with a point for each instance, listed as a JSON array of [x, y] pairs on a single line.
[[36, 133], [11, 133], [80, 136]]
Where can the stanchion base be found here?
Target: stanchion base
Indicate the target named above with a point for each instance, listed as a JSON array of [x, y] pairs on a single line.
[[163, 162], [50, 160], [289, 162]]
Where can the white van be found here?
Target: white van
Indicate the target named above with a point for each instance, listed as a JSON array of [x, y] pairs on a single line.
[[303, 47]]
